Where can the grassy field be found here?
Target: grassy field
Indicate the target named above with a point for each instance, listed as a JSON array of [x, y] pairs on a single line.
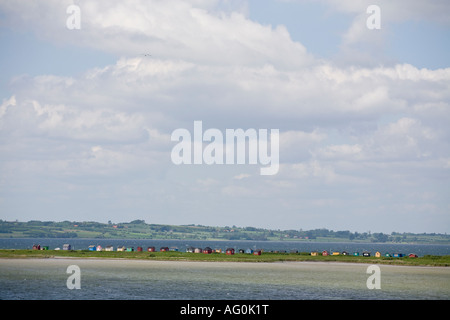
[[428, 260]]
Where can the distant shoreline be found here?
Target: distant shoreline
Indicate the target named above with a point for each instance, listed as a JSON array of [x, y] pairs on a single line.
[[428, 260], [139, 229]]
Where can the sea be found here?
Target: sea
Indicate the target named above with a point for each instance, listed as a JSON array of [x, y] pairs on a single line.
[[121, 279]]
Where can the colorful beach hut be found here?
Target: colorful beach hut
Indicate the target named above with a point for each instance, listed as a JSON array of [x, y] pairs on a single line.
[[207, 250], [229, 251]]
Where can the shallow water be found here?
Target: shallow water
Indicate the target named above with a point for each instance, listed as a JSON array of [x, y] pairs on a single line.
[[34, 279]]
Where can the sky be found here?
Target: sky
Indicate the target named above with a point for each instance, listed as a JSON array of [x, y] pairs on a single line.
[[89, 102]]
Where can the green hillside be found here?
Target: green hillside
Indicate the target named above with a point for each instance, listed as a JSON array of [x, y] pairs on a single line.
[[139, 229]]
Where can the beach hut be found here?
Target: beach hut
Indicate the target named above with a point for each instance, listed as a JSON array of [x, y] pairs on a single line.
[[249, 251], [198, 250], [356, 254], [344, 253], [397, 255], [44, 248], [151, 249], [412, 255], [218, 250], [92, 248], [109, 248], [314, 253], [173, 249], [122, 248], [207, 250], [190, 249], [335, 253], [67, 246], [99, 248], [164, 249], [325, 253], [36, 247], [387, 254], [130, 249], [257, 252], [366, 254], [241, 251], [378, 254], [229, 251], [139, 249]]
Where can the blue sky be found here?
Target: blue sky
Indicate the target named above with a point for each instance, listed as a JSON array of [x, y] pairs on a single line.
[[86, 119]]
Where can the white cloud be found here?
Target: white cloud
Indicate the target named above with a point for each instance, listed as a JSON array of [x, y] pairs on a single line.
[[185, 30], [242, 176], [343, 130]]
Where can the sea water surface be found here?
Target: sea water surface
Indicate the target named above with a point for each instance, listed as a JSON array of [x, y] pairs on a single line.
[[103, 279]]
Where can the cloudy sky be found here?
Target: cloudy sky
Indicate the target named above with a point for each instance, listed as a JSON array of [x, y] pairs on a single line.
[[86, 117]]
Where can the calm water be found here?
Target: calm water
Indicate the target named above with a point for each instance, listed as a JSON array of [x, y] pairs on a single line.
[[123, 279], [177, 280], [419, 249]]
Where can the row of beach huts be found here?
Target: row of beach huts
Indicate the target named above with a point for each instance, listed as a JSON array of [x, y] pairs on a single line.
[[228, 251], [378, 254]]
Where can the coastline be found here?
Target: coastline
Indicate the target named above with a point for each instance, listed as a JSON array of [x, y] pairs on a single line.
[[428, 261]]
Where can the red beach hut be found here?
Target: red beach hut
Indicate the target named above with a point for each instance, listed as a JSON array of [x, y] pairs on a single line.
[[229, 251]]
